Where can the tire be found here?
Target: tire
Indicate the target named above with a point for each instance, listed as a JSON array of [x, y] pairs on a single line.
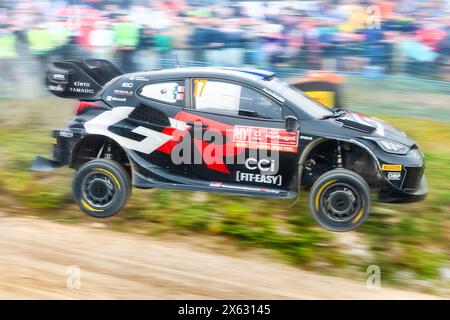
[[340, 200], [101, 188]]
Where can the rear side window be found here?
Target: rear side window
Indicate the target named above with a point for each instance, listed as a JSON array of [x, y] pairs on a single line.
[[171, 92], [227, 98]]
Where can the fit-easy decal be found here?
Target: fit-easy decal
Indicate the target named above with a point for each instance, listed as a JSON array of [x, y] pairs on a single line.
[[259, 178]]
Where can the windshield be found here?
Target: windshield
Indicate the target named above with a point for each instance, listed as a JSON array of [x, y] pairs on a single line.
[[297, 97]]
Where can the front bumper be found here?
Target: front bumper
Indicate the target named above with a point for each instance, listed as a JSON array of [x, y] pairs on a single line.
[[392, 195]]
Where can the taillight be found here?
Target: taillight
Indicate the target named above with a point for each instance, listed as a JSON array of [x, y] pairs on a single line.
[[84, 104]]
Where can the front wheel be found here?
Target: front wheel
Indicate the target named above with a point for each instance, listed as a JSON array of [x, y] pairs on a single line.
[[101, 188], [340, 200]]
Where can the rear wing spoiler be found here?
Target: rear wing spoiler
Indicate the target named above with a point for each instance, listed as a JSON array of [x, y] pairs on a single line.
[[80, 79]]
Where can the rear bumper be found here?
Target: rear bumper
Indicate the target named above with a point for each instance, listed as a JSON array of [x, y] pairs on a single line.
[[65, 141], [391, 195], [41, 164], [63, 144]]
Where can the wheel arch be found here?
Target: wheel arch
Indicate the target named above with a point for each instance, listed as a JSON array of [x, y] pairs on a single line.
[[89, 146], [309, 149]]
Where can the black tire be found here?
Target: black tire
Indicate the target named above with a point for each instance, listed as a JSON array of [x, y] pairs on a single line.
[[101, 188], [340, 200]]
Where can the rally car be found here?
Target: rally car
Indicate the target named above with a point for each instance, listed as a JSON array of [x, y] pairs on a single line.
[[224, 130]]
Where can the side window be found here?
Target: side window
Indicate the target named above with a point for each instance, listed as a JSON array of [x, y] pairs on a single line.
[[255, 104], [232, 99], [216, 96], [171, 92]]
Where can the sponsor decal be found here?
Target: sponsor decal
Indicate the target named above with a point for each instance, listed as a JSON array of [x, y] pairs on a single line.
[[58, 76], [245, 188], [178, 93], [216, 184], [309, 138], [127, 85], [391, 167], [396, 176], [81, 84], [66, 134], [81, 87], [264, 165], [111, 98], [120, 92], [81, 90], [258, 178], [58, 88], [265, 138], [138, 78]]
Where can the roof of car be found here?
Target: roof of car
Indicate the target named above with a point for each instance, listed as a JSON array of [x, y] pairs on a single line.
[[226, 72]]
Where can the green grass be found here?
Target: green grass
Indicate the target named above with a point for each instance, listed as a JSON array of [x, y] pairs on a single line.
[[415, 98], [407, 237]]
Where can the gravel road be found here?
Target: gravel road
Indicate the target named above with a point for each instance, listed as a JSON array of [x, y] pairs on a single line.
[[36, 255]]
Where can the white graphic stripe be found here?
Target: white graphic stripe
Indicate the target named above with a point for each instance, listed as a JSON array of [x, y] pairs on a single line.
[[154, 139]]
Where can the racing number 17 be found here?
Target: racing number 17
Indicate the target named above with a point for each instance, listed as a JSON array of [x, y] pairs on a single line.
[[199, 86]]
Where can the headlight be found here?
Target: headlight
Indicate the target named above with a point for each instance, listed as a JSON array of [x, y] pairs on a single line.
[[392, 146], [416, 154]]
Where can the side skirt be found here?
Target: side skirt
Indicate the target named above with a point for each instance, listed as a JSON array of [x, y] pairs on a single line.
[[215, 187]]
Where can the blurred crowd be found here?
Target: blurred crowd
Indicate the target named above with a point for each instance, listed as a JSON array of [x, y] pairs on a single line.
[[379, 36]]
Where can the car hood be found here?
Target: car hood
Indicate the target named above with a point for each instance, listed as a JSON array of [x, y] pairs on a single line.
[[374, 127]]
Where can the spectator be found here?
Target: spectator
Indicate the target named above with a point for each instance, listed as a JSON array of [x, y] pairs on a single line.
[[420, 57], [8, 55], [232, 54], [310, 34], [41, 44], [180, 33], [162, 44], [200, 38], [126, 34], [147, 57], [101, 39]]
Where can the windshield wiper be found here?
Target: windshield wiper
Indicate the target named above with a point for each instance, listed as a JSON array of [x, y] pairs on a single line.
[[334, 115]]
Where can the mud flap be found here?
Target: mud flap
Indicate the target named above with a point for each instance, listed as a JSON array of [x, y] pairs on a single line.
[[41, 164]]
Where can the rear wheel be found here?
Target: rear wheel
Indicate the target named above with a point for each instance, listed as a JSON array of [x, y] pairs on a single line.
[[340, 200], [101, 188]]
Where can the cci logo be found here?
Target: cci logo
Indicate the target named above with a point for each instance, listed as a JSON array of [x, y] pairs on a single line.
[[264, 165]]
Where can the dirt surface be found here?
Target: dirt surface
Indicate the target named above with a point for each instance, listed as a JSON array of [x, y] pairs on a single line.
[[35, 256]]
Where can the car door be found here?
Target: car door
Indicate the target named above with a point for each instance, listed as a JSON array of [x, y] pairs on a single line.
[[237, 136], [158, 103]]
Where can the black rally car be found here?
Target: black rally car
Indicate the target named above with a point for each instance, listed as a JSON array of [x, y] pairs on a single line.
[[224, 130]]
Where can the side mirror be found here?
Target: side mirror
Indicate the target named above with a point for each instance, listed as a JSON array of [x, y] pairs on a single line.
[[292, 124]]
